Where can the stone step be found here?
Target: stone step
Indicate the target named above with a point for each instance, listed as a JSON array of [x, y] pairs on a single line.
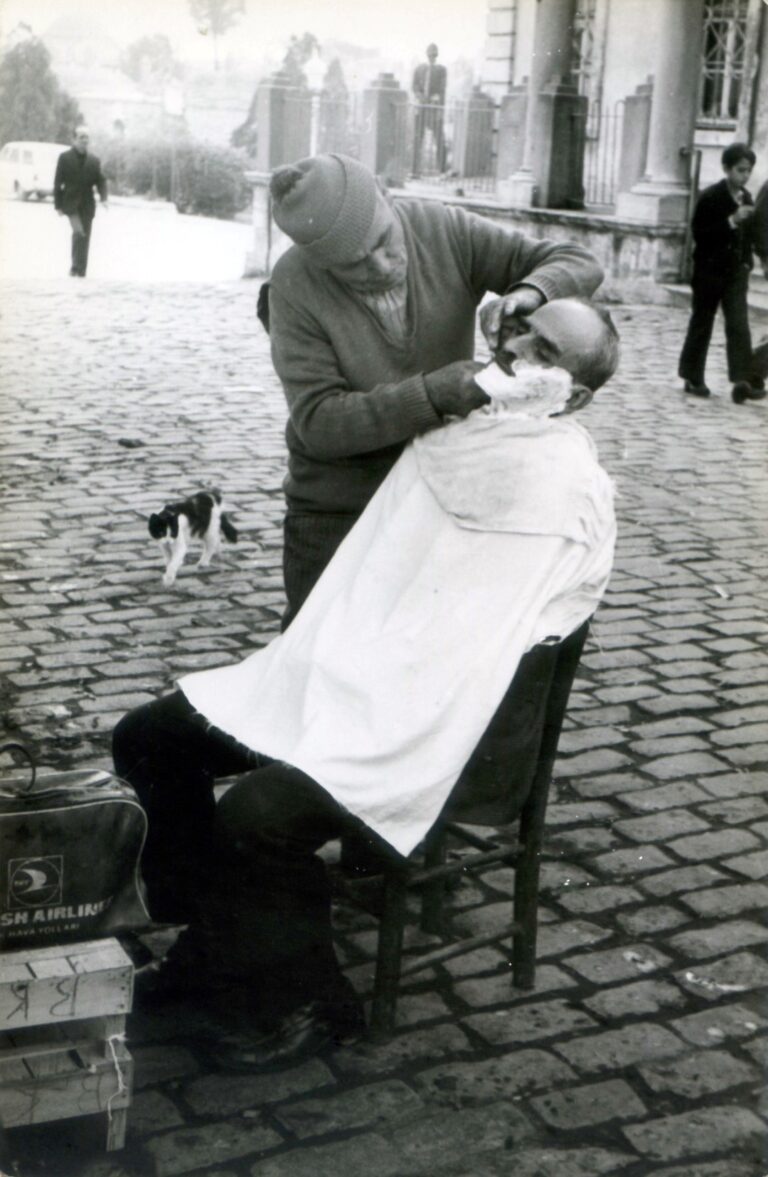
[[680, 295]]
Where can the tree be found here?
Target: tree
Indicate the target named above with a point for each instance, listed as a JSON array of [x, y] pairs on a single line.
[[150, 60], [216, 17], [32, 103], [298, 53], [334, 83]]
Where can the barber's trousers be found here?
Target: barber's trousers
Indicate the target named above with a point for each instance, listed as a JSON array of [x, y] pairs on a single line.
[[309, 541], [81, 224], [244, 872]]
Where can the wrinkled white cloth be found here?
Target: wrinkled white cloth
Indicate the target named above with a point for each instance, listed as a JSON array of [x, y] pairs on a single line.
[[517, 474], [387, 678]]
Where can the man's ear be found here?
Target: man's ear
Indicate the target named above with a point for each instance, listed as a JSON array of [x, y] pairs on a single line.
[[579, 398]]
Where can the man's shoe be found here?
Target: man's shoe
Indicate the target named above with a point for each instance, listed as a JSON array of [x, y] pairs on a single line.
[[301, 1034], [742, 391], [696, 389]]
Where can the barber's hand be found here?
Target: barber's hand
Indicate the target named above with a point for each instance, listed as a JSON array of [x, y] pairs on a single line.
[[742, 213], [498, 313], [452, 389]]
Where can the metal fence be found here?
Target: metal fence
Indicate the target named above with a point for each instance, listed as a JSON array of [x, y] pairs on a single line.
[[602, 154], [452, 147]]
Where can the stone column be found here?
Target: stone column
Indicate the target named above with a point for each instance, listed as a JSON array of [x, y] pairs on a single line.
[[551, 62], [661, 196], [384, 145], [283, 114], [634, 135], [473, 135], [268, 242], [510, 141]]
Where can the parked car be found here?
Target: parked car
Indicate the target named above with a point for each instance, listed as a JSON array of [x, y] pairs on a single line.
[[27, 169]]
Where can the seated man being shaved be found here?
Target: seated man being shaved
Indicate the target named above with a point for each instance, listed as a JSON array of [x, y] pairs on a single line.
[[489, 535]]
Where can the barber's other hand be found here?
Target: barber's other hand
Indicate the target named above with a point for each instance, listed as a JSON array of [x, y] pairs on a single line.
[[452, 389], [498, 313], [742, 213]]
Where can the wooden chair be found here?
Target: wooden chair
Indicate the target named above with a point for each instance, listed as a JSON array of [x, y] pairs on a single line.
[[507, 778]]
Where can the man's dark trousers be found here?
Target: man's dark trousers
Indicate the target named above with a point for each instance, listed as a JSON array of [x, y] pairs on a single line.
[[244, 872], [81, 223], [712, 289]]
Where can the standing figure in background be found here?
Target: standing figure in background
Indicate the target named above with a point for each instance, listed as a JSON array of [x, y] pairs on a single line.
[[759, 227], [722, 259], [77, 174], [429, 81]]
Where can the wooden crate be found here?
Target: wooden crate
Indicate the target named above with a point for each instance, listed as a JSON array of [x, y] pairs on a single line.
[[59, 984], [62, 1049]]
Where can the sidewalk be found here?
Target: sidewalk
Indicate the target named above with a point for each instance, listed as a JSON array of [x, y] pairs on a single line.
[[642, 1049]]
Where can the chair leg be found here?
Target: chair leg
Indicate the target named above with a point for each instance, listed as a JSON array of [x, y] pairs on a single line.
[[433, 894], [526, 907], [389, 955], [116, 1128]]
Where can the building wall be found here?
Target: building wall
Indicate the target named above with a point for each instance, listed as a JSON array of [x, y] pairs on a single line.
[[755, 124], [629, 32], [630, 48]]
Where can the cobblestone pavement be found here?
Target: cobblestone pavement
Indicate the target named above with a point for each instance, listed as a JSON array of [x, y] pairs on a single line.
[[642, 1048]]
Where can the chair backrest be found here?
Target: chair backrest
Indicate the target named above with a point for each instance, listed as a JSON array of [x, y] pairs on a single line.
[[521, 739]]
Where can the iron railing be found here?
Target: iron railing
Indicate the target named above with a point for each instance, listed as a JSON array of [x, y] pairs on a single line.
[[602, 130], [452, 147]]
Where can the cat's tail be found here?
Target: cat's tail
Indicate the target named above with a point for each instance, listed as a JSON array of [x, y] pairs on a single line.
[[227, 529]]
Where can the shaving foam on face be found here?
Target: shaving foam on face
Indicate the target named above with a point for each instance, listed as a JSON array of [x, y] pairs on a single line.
[[529, 390]]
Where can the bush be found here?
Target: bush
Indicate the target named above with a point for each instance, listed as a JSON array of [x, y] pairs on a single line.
[[210, 181], [198, 177]]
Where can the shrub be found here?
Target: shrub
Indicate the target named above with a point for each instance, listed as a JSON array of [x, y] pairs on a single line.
[[198, 177], [210, 180]]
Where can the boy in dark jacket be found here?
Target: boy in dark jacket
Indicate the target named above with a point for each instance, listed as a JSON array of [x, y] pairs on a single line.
[[722, 260]]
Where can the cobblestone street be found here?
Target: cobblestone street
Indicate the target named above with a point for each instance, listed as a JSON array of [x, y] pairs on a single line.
[[642, 1049]]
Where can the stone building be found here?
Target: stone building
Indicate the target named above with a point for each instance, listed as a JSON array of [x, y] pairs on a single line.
[[598, 120], [619, 110]]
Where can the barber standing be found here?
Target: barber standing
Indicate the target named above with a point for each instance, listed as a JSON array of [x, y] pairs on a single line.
[[372, 321], [77, 174]]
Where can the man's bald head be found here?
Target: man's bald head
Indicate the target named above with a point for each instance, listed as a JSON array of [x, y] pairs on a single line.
[[569, 333]]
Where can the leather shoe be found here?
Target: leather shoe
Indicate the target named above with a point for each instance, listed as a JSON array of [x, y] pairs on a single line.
[[696, 389], [301, 1034], [742, 391]]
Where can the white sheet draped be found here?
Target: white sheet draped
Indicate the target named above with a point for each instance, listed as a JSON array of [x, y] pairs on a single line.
[[385, 681]]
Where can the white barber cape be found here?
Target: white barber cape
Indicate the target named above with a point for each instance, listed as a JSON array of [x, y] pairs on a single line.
[[487, 536]]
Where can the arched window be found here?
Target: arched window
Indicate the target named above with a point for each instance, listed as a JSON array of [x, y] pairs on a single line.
[[725, 28]]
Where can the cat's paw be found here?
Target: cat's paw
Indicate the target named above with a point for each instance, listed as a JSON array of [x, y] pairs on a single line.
[[168, 579]]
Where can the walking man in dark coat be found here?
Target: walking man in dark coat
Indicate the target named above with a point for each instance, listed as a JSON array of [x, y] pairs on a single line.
[[77, 174]]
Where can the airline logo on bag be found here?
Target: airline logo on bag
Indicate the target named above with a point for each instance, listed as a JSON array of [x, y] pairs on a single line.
[[70, 845], [35, 894], [33, 882]]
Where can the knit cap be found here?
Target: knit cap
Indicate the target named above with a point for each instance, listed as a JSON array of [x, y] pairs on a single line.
[[326, 205]]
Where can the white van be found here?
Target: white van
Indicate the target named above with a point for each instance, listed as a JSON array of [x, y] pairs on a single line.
[[27, 169]]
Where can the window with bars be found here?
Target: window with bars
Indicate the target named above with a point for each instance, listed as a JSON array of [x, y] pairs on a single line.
[[725, 27]]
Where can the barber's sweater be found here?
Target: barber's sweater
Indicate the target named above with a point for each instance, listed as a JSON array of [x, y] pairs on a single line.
[[356, 394]]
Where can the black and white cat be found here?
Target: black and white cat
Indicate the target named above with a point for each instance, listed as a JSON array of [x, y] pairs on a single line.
[[201, 517]]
